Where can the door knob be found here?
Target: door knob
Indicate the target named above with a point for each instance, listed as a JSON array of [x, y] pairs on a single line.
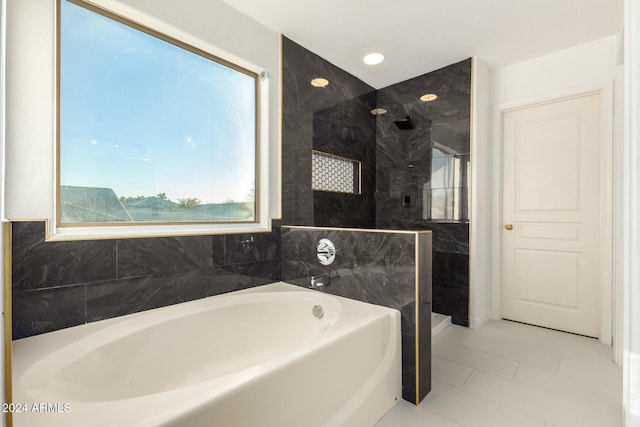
[[508, 226]]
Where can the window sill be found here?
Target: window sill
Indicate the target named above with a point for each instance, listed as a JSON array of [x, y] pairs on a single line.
[[148, 231]]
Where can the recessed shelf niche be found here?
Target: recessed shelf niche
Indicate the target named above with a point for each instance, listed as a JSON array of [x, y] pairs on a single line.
[[333, 173]]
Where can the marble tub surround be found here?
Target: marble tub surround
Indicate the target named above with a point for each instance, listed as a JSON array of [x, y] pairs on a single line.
[[378, 267], [413, 162], [56, 285], [335, 119], [450, 251]]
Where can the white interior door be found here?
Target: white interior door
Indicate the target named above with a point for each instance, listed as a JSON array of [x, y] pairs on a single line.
[[551, 214]]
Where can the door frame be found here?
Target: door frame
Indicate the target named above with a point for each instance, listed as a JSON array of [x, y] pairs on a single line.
[[607, 250]]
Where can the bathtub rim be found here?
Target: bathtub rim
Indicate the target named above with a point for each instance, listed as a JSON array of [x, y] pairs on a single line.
[[132, 405], [51, 346]]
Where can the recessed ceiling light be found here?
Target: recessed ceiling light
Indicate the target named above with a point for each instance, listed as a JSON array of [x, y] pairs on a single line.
[[377, 111], [428, 97], [373, 58], [319, 82]]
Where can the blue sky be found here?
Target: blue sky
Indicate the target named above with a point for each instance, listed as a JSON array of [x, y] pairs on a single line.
[[142, 116]]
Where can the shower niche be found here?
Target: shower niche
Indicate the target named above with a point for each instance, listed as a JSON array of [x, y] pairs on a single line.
[[334, 173], [446, 194]]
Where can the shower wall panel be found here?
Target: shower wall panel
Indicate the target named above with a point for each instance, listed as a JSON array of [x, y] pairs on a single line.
[[422, 180], [334, 119]]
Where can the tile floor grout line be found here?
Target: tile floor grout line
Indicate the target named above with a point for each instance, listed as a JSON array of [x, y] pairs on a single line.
[[515, 371], [445, 417], [508, 407], [467, 379], [527, 387], [512, 407], [473, 367], [500, 355], [487, 352], [500, 404]]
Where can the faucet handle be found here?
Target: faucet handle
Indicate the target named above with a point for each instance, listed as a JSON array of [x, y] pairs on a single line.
[[326, 251]]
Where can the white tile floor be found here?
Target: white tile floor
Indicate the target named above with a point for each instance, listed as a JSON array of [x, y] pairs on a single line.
[[512, 375]]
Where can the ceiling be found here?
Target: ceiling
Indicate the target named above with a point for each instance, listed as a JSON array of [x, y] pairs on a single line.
[[419, 36]]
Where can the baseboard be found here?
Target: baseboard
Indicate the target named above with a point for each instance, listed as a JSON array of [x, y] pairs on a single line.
[[478, 322]]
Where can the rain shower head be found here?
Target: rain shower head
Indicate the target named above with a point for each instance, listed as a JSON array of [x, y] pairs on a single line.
[[404, 123]]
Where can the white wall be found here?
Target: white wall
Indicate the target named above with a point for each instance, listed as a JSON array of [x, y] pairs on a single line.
[[568, 71], [480, 224], [208, 24], [631, 212], [581, 69], [29, 115]]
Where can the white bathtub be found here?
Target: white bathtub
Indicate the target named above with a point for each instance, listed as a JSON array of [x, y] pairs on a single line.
[[257, 357]]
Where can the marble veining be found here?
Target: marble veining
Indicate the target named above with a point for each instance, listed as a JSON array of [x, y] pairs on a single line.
[[242, 248], [56, 285], [47, 310], [335, 119], [404, 169], [396, 164], [38, 265], [396, 188], [126, 296], [378, 268], [403, 157], [140, 257]]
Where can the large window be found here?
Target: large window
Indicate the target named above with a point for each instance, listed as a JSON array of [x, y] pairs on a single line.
[[150, 130]]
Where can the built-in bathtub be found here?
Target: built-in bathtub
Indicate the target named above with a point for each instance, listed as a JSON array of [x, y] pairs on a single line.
[[275, 355]]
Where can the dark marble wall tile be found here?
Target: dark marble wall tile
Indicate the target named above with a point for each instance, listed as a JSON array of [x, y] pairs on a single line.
[[245, 275], [242, 248], [374, 267], [334, 119], [348, 130], [404, 168], [451, 270], [61, 284], [451, 286], [142, 257], [37, 264], [423, 324], [424, 349], [45, 310], [450, 237], [408, 333], [374, 286], [404, 156], [397, 172], [450, 267], [390, 253], [454, 301], [125, 296], [343, 210]]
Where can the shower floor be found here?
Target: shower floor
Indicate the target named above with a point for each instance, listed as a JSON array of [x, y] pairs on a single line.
[[439, 322]]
